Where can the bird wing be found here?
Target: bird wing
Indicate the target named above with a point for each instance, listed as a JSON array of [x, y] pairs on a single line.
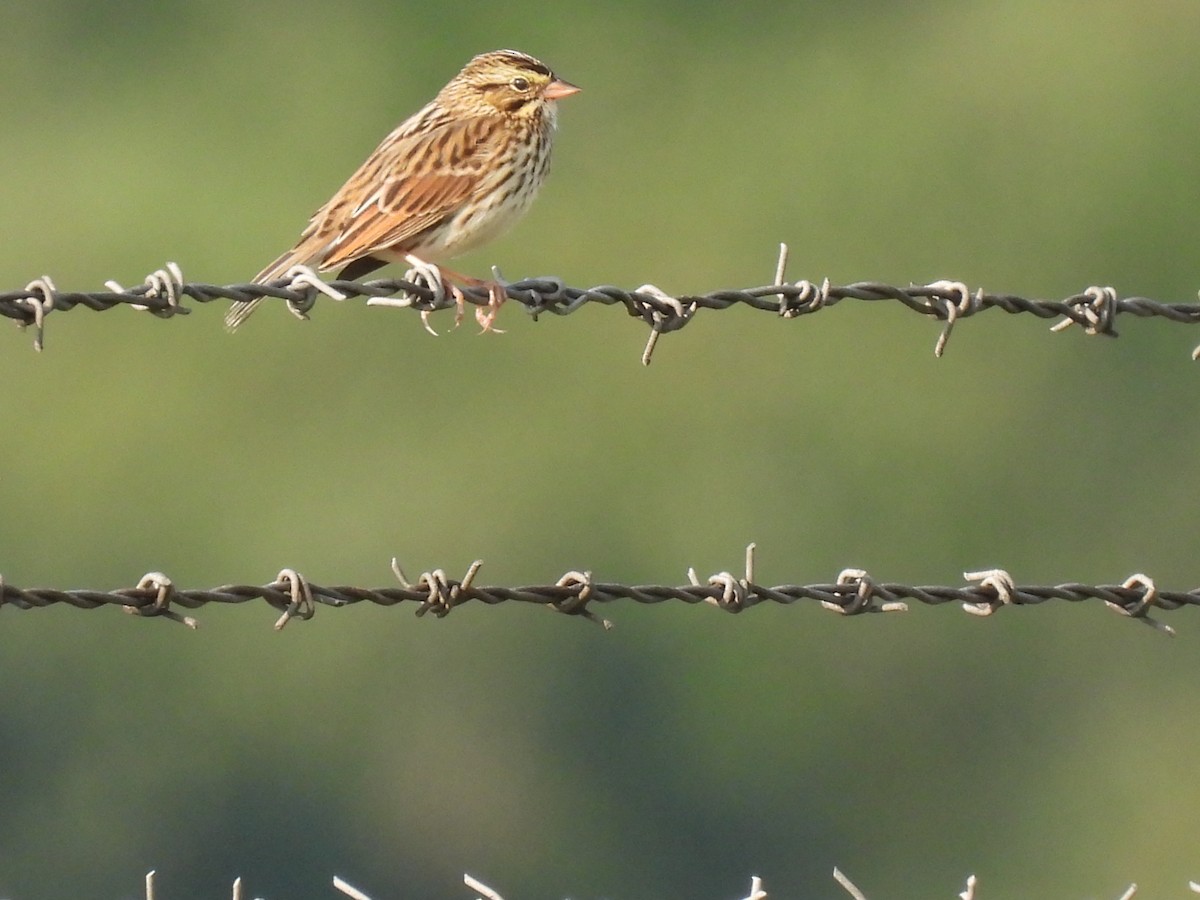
[[412, 181]]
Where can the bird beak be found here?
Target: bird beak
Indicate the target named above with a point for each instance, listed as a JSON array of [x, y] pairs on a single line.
[[558, 89]]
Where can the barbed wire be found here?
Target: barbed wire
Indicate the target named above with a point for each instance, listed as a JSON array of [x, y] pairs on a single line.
[[853, 593], [1095, 309], [484, 892]]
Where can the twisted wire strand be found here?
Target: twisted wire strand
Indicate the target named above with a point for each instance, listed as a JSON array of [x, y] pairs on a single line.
[[1095, 309], [853, 593]]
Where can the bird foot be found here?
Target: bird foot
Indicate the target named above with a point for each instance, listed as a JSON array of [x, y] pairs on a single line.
[[444, 282], [486, 315]]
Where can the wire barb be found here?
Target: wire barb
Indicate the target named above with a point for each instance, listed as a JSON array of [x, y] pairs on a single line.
[[300, 597], [1137, 609], [485, 892], [164, 590], [953, 299], [305, 281], [40, 299], [734, 591], [995, 580], [348, 889], [575, 604], [165, 286], [840, 877], [1097, 307], [863, 598]]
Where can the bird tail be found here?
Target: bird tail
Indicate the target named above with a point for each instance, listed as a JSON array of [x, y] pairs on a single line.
[[241, 309]]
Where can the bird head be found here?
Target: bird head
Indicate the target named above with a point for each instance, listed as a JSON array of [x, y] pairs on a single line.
[[508, 82]]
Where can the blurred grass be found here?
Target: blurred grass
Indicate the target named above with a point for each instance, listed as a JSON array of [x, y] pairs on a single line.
[[1021, 147]]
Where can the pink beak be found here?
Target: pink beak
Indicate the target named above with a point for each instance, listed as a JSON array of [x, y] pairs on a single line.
[[558, 89]]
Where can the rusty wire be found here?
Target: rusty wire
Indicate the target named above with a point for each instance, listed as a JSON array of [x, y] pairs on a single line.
[[1095, 309], [853, 593]]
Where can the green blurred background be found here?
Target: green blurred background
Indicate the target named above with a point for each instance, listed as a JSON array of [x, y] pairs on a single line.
[[1020, 146]]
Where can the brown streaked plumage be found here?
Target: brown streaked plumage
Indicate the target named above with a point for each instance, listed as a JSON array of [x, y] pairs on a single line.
[[448, 179]]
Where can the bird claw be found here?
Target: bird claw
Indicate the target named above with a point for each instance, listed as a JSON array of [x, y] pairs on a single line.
[[486, 316], [460, 304], [497, 294]]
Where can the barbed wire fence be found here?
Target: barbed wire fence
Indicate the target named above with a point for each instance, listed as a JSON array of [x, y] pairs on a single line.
[[854, 592], [163, 292], [1095, 309]]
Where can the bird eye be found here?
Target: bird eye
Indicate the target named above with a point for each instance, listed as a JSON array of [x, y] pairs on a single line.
[[520, 84]]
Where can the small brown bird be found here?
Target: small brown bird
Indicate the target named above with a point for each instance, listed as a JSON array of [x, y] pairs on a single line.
[[448, 179]]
